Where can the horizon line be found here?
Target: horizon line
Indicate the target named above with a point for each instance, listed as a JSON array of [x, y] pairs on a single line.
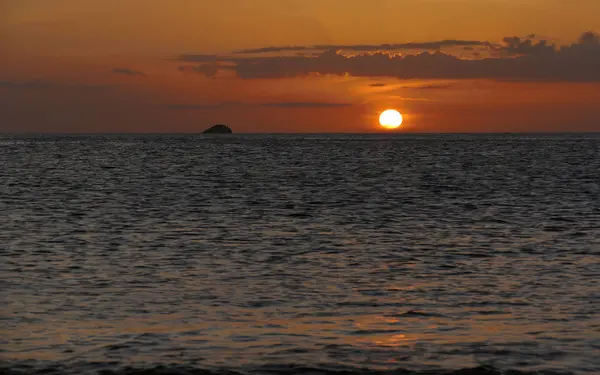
[[299, 133]]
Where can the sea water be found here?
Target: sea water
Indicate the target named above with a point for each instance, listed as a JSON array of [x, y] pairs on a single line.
[[299, 253]]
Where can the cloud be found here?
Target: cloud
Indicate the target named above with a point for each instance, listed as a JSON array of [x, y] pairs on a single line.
[[515, 59], [589, 38], [429, 87], [401, 46], [207, 70], [377, 85], [128, 72], [366, 47], [516, 46], [270, 104], [273, 49]]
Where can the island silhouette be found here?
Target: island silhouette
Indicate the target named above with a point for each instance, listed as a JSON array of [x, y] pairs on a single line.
[[218, 129]]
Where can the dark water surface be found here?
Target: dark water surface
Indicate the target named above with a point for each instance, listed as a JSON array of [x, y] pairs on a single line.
[[257, 253]]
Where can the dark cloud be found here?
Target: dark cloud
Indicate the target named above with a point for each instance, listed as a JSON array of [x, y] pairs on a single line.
[[515, 46], [271, 104], [589, 38], [515, 59], [128, 72], [377, 85]]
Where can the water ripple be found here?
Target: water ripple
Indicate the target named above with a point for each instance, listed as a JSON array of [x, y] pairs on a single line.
[[249, 253]]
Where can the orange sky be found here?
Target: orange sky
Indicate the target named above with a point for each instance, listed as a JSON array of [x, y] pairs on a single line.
[[122, 65]]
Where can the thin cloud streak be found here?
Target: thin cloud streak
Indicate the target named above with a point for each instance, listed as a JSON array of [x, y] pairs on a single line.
[[401, 46], [429, 87], [436, 45], [273, 49], [128, 72]]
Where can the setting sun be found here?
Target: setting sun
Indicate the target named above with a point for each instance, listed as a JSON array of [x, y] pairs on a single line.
[[390, 119]]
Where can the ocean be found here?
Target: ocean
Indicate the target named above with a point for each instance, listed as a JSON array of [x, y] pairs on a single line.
[[300, 254]]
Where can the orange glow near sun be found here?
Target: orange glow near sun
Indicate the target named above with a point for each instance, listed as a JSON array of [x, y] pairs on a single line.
[[390, 119]]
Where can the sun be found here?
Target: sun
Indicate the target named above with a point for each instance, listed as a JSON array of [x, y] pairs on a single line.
[[390, 119]]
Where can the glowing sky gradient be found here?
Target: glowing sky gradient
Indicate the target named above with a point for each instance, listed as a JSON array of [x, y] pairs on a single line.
[[182, 65]]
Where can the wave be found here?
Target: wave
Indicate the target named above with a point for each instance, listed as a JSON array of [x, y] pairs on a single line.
[[101, 369]]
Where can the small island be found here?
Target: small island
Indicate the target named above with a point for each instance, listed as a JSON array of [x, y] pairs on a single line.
[[218, 129]]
